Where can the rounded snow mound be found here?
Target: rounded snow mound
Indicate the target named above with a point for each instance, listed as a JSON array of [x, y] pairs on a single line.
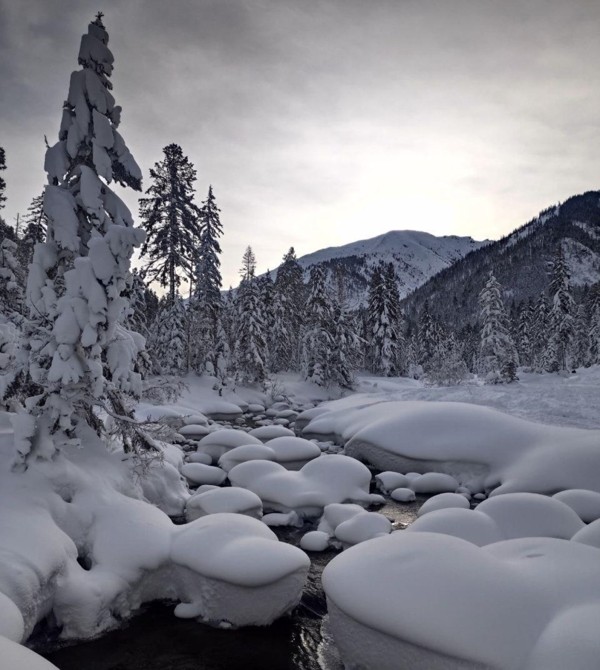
[[266, 433], [429, 601], [444, 501], [322, 481], [198, 473], [221, 441], [247, 452], [509, 516], [231, 499], [586, 504], [293, 452]]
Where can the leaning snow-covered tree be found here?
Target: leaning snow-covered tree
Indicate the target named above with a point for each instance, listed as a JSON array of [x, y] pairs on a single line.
[[81, 359]]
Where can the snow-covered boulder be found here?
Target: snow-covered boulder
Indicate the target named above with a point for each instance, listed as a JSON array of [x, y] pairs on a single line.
[[322, 481], [220, 410], [231, 499], [513, 515], [199, 457], [315, 540], [293, 452], [345, 525], [266, 433], [589, 535], [403, 495], [221, 441], [586, 504], [433, 482], [195, 431], [248, 576], [245, 453], [443, 501], [386, 482], [195, 419], [433, 602], [198, 473]]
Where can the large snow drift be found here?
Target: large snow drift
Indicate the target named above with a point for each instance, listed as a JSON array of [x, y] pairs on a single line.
[[434, 602], [482, 448]]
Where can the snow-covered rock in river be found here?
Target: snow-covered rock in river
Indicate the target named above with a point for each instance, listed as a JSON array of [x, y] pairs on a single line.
[[443, 501], [386, 482], [482, 448], [293, 452], [403, 494], [231, 499], [433, 602], [221, 441], [249, 577], [322, 481], [245, 453], [586, 504], [266, 433], [509, 516], [195, 431], [198, 473]]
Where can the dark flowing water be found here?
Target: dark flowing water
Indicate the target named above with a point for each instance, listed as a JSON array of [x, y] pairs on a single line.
[[156, 640]]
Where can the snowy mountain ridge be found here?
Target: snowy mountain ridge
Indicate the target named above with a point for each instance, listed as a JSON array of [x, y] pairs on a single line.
[[417, 256]]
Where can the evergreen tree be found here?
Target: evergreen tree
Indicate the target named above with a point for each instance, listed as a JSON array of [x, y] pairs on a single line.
[[497, 353], [560, 317], [171, 220], [250, 344], [2, 182], [12, 278], [580, 345], [281, 337], [168, 342], [291, 292], [593, 356], [36, 223], [317, 340], [524, 330], [80, 356], [447, 366], [383, 317], [206, 305], [429, 337], [345, 348], [540, 332]]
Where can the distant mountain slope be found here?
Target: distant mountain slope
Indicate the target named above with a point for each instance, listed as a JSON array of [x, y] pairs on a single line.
[[519, 261], [416, 255]]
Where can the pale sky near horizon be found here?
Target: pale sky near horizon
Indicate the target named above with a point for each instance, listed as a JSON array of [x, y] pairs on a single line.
[[321, 122]]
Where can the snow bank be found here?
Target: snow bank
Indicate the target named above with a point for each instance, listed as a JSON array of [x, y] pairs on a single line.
[[433, 602], [78, 541], [322, 481], [482, 448]]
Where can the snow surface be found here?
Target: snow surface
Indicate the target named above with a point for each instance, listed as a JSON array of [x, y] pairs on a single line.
[[428, 601], [586, 504], [221, 441], [230, 499], [443, 501]]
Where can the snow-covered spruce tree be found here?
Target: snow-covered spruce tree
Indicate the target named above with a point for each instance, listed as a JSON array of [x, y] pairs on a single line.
[[250, 352], [447, 366], [497, 352], [80, 357], [387, 353], [593, 354], [168, 342], [206, 304], [429, 336], [345, 348], [524, 329], [289, 286], [171, 220], [12, 278], [539, 330], [2, 182], [580, 345], [281, 339], [317, 341], [560, 316], [36, 223]]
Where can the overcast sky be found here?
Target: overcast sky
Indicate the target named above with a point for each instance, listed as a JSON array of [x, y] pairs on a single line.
[[320, 122]]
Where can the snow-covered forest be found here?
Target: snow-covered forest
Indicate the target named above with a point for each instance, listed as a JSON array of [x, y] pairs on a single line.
[[399, 457]]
